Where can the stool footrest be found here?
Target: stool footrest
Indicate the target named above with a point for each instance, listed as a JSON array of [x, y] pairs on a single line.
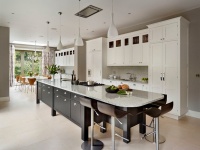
[[148, 134], [121, 137], [100, 126]]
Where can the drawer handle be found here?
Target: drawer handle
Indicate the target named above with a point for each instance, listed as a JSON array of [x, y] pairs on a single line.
[[48, 87], [48, 92], [65, 100], [74, 104], [43, 90], [57, 90], [74, 96], [43, 85], [57, 96], [65, 93]]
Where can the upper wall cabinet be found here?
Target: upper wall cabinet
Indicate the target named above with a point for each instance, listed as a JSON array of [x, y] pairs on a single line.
[[65, 57], [167, 32], [130, 49]]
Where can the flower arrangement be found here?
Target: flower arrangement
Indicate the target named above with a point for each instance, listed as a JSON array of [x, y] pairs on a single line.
[[53, 69], [30, 73]]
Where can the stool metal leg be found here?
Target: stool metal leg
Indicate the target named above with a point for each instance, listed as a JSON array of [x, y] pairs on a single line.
[[92, 144], [113, 132], [92, 127], [152, 138], [157, 133]]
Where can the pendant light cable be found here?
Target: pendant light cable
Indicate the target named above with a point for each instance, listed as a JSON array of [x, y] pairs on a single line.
[[60, 46]]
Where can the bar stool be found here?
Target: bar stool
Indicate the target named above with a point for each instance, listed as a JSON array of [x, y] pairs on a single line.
[[157, 104], [156, 113], [115, 113], [92, 144]]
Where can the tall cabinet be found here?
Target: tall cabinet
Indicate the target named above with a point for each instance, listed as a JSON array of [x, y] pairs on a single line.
[[168, 62], [96, 59]]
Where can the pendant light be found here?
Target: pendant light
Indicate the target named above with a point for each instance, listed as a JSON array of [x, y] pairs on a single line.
[[47, 48], [60, 46], [79, 40], [112, 31]]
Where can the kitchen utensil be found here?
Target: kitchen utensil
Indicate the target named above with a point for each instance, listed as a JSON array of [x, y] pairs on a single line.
[[90, 82]]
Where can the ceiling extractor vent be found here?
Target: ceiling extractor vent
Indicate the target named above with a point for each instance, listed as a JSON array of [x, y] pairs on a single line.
[[88, 11]]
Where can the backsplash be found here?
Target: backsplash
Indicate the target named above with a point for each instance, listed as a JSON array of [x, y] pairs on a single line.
[[138, 71]]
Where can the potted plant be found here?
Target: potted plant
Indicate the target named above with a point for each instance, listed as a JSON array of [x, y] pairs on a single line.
[[30, 73], [145, 80], [53, 69]]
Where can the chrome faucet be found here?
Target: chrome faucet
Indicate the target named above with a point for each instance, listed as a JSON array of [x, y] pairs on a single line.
[[131, 76]]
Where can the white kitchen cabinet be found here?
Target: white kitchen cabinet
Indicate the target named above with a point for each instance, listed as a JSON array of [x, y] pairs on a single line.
[[110, 82], [130, 49], [168, 62], [65, 57], [95, 55], [166, 32]]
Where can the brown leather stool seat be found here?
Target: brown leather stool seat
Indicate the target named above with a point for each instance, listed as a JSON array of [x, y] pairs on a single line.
[[91, 144], [156, 113], [115, 113]]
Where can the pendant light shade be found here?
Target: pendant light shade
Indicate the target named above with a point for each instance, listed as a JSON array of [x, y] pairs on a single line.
[[47, 48], [60, 46], [112, 31], [79, 40]]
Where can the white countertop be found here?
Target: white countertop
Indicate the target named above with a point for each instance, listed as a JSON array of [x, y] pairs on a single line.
[[136, 99]]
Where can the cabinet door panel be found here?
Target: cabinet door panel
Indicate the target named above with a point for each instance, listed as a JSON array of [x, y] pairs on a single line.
[[97, 66], [156, 34], [145, 54], [75, 111], [119, 55], [171, 32], [110, 57], [128, 55], [137, 54]]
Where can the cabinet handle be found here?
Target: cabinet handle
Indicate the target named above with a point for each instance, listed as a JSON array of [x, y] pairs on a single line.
[[57, 96], [65, 100], [44, 90], [43, 85], [65, 93], [74, 104], [48, 92], [161, 78], [48, 87], [74, 96], [57, 90]]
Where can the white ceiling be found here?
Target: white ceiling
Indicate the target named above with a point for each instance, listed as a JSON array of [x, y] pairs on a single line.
[[28, 23]]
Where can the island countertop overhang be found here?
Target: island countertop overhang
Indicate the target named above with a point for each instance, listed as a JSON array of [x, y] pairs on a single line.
[[136, 99]]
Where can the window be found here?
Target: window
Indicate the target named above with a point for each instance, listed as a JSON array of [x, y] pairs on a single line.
[[24, 62]]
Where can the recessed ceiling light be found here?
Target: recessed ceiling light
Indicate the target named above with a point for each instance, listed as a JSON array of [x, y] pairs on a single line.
[[41, 36], [92, 31], [13, 13], [104, 22], [129, 13], [86, 29]]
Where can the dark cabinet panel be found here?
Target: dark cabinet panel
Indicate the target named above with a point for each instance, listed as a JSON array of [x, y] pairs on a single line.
[[47, 94], [64, 93], [62, 105], [76, 111], [39, 91]]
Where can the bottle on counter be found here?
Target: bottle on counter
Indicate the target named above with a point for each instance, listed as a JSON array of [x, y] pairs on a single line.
[[72, 80]]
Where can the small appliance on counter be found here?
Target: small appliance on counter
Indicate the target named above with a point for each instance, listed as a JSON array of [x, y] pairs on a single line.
[[94, 84]]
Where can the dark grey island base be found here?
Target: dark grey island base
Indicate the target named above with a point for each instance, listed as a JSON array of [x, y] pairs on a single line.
[[67, 103]]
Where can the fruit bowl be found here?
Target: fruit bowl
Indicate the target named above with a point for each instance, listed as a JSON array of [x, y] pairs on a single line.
[[111, 91]]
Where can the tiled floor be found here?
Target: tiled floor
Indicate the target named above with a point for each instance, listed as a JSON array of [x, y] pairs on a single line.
[[27, 126]]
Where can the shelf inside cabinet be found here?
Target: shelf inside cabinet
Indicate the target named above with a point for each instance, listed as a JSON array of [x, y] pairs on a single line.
[[136, 40], [111, 44], [145, 38], [126, 41], [118, 43]]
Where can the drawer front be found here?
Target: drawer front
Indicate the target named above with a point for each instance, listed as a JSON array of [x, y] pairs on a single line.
[[76, 111], [47, 88], [47, 96], [64, 93], [75, 97], [62, 105]]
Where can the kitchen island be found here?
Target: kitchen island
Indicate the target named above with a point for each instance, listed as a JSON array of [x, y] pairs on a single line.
[[63, 97]]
